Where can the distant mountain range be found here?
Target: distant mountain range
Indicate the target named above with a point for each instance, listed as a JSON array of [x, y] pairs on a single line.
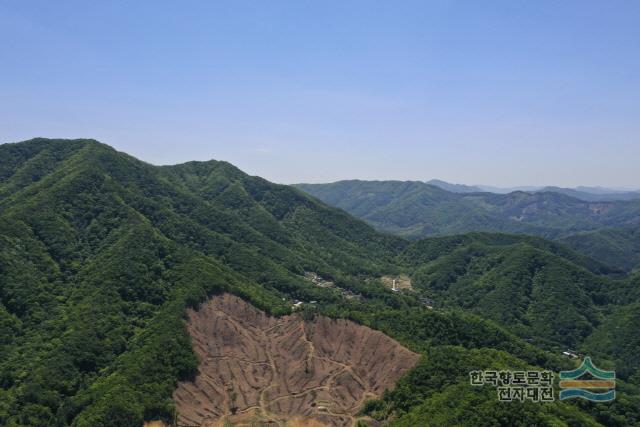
[[462, 188], [594, 197], [416, 209], [457, 188], [589, 194]]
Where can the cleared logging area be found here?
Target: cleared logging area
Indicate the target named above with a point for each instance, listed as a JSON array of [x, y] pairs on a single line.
[[258, 369]]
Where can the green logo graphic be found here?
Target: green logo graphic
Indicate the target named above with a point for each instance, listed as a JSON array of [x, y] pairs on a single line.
[[573, 387]]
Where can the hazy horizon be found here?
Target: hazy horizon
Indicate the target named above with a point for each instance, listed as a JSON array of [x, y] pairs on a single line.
[[506, 186], [506, 95]]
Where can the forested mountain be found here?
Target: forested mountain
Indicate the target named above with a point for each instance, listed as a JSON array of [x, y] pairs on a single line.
[[618, 247], [591, 196], [588, 194], [454, 188], [413, 209], [101, 254], [522, 284]]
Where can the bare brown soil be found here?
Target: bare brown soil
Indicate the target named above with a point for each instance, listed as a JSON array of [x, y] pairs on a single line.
[[261, 370], [402, 281]]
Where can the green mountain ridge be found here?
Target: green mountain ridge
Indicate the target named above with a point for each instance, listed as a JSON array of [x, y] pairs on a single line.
[[618, 247], [587, 194], [603, 196], [101, 254], [414, 209]]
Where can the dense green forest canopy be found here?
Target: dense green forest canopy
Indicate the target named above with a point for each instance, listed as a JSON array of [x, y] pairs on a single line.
[[101, 254], [618, 247]]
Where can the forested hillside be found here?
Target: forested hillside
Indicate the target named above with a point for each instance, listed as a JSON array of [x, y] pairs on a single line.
[[522, 284], [603, 195], [415, 209], [101, 254], [618, 247], [605, 230]]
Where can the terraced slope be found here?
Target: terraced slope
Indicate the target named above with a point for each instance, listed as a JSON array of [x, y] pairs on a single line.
[[254, 367]]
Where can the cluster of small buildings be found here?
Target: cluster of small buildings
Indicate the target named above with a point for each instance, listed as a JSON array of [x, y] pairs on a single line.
[[571, 354], [318, 280], [427, 302], [396, 284], [297, 304], [323, 283]]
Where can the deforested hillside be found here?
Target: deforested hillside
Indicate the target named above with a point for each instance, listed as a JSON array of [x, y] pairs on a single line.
[[102, 256], [256, 368]]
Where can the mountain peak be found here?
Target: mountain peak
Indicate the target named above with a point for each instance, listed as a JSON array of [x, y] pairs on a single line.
[[454, 188]]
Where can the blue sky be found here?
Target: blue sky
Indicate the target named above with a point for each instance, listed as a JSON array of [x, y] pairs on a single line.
[[496, 92]]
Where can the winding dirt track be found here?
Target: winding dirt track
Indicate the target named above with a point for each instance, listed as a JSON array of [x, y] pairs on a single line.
[[261, 370]]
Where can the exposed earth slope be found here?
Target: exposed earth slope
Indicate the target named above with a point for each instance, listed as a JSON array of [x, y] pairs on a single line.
[[255, 367]]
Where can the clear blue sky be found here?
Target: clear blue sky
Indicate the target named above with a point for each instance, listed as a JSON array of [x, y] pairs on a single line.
[[477, 92]]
